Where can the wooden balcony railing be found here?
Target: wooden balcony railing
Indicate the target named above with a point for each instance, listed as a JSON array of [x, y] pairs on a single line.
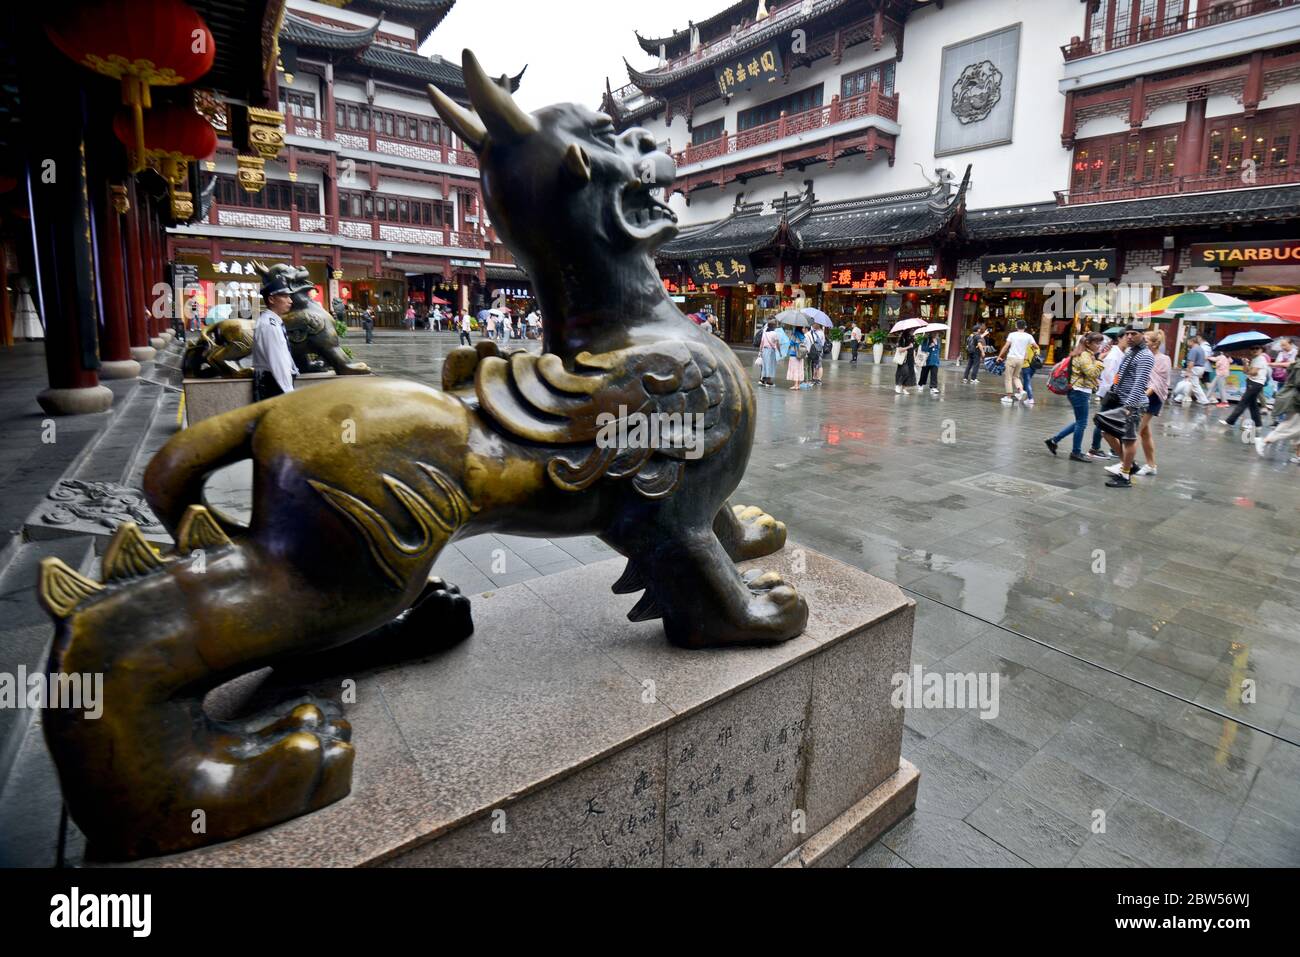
[[1179, 184], [316, 128], [871, 103], [1213, 12], [296, 221]]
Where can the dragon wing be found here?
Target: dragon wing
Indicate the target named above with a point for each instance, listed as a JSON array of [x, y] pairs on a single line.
[[695, 403]]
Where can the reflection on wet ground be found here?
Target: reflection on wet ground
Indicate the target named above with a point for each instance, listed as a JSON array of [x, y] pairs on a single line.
[[1149, 713]]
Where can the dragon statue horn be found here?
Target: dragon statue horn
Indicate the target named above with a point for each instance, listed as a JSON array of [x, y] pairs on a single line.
[[262, 268], [503, 118], [467, 126]]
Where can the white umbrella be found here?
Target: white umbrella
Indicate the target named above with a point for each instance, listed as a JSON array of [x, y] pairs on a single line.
[[933, 327], [904, 324]]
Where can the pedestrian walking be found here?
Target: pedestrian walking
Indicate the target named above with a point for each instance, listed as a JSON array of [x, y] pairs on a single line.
[[816, 348], [1157, 395], [368, 324], [1132, 382], [1194, 370], [273, 366], [1014, 354], [905, 360], [1258, 372], [465, 326], [975, 344], [769, 351], [1287, 407], [1085, 374], [794, 345], [855, 341], [930, 371], [1111, 357], [1218, 391]]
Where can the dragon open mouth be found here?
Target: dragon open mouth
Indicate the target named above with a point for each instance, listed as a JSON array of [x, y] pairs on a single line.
[[643, 214]]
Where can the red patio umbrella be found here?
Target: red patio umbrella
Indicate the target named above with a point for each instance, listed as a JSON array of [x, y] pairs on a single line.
[[439, 302], [1283, 307]]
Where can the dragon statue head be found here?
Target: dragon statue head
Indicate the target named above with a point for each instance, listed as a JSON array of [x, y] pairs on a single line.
[[562, 178]]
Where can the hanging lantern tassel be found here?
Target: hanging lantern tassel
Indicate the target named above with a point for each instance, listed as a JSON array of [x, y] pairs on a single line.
[[135, 94]]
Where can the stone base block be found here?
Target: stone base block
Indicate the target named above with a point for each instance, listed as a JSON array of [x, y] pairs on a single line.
[[95, 398], [157, 342], [852, 832], [205, 398], [143, 353], [119, 369], [562, 734]]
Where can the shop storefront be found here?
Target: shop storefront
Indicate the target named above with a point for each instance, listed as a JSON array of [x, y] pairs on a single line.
[[230, 287], [875, 291], [1059, 294], [384, 296]]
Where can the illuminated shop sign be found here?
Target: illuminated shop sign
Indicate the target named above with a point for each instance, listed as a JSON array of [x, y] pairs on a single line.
[[1094, 263], [1275, 253]]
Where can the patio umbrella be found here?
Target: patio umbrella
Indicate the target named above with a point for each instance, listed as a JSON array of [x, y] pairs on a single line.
[[1114, 330], [933, 327], [1192, 302], [793, 317], [904, 324], [1283, 307], [1239, 341], [817, 316], [435, 301], [1247, 317]]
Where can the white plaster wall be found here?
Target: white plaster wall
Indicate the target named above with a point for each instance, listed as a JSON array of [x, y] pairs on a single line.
[[1027, 170]]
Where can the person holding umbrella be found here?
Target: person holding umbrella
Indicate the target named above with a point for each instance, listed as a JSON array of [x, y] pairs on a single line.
[[931, 370], [1257, 375], [770, 348], [905, 360]]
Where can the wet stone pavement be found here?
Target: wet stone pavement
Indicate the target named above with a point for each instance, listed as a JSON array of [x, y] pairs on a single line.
[[1126, 626]]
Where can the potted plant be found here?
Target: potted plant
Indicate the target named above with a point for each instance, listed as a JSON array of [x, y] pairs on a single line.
[[837, 342], [877, 339]]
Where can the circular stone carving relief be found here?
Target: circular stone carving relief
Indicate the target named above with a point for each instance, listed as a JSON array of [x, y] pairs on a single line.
[[976, 92]]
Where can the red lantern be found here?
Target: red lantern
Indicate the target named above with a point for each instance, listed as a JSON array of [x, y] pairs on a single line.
[[173, 136], [143, 43]]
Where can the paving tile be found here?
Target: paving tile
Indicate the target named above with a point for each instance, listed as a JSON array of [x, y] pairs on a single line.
[[1030, 830], [931, 840]]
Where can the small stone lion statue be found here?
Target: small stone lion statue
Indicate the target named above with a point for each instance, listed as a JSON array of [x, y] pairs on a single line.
[[217, 349]]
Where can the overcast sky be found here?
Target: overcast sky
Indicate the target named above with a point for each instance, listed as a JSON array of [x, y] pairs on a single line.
[[570, 46]]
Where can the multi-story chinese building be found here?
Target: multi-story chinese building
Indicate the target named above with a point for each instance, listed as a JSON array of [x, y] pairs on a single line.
[[953, 160], [372, 193]]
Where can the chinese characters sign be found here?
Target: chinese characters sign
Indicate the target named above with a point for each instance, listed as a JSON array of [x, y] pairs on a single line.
[[868, 277], [741, 74], [1094, 263], [722, 270]]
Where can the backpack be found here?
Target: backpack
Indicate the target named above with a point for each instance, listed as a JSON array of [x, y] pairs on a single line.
[[1059, 380], [972, 344]]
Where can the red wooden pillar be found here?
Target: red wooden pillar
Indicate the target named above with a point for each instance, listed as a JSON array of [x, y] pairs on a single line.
[[1070, 126], [61, 227], [136, 284], [1190, 144], [1253, 91], [115, 346]]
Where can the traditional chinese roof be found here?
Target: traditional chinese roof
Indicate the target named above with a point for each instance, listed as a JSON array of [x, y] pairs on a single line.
[[432, 69], [679, 41], [748, 228], [505, 272], [1186, 209], [782, 17], [888, 220], [304, 33], [423, 15]]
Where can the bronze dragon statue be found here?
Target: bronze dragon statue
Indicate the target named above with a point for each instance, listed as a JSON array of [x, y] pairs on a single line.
[[390, 471], [216, 350]]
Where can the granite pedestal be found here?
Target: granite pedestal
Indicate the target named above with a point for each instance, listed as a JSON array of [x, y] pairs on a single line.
[[208, 397], [562, 734]]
